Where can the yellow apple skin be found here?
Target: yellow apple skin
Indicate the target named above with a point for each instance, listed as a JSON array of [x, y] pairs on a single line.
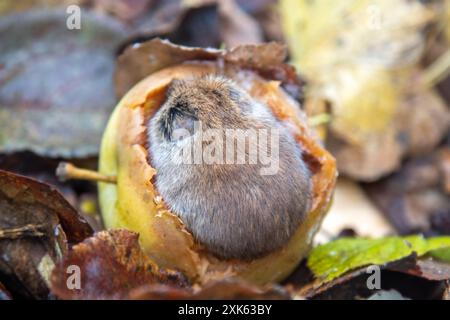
[[133, 203]]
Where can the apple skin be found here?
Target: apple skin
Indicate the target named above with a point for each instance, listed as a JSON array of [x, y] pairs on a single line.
[[133, 203]]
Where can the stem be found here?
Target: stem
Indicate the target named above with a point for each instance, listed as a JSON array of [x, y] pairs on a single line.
[[437, 71], [67, 171]]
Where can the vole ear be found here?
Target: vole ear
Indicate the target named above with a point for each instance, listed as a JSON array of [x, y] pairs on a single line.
[[183, 124], [178, 123]]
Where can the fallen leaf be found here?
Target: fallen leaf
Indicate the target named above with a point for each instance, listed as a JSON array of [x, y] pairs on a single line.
[[111, 264], [126, 10], [422, 120], [368, 74], [36, 223], [414, 198], [441, 254], [237, 27], [324, 36], [56, 89], [419, 121], [227, 289], [222, 22], [140, 60], [335, 258], [426, 268], [416, 278], [349, 285], [268, 15]]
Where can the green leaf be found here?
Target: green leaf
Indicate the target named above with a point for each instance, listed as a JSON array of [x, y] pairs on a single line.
[[335, 258], [441, 254]]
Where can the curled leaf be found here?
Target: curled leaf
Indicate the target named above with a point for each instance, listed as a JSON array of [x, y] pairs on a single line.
[[141, 60], [36, 223]]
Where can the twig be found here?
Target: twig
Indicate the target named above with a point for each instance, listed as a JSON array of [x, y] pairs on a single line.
[[29, 230], [67, 171]]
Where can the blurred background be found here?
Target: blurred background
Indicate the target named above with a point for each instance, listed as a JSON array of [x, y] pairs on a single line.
[[377, 90]]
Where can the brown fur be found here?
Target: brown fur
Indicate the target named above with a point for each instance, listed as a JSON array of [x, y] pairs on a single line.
[[231, 209]]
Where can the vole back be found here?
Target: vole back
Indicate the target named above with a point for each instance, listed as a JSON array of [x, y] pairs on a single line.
[[238, 208]]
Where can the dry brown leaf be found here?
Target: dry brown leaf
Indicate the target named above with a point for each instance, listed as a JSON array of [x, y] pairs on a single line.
[[111, 264], [237, 27], [140, 60], [125, 10], [353, 285], [228, 289], [414, 198], [425, 268], [36, 223], [56, 88]]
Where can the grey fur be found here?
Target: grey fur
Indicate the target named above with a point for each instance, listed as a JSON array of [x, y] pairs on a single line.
[[231, 209]]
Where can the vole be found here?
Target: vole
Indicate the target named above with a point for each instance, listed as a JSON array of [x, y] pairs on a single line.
[[232, 209]]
